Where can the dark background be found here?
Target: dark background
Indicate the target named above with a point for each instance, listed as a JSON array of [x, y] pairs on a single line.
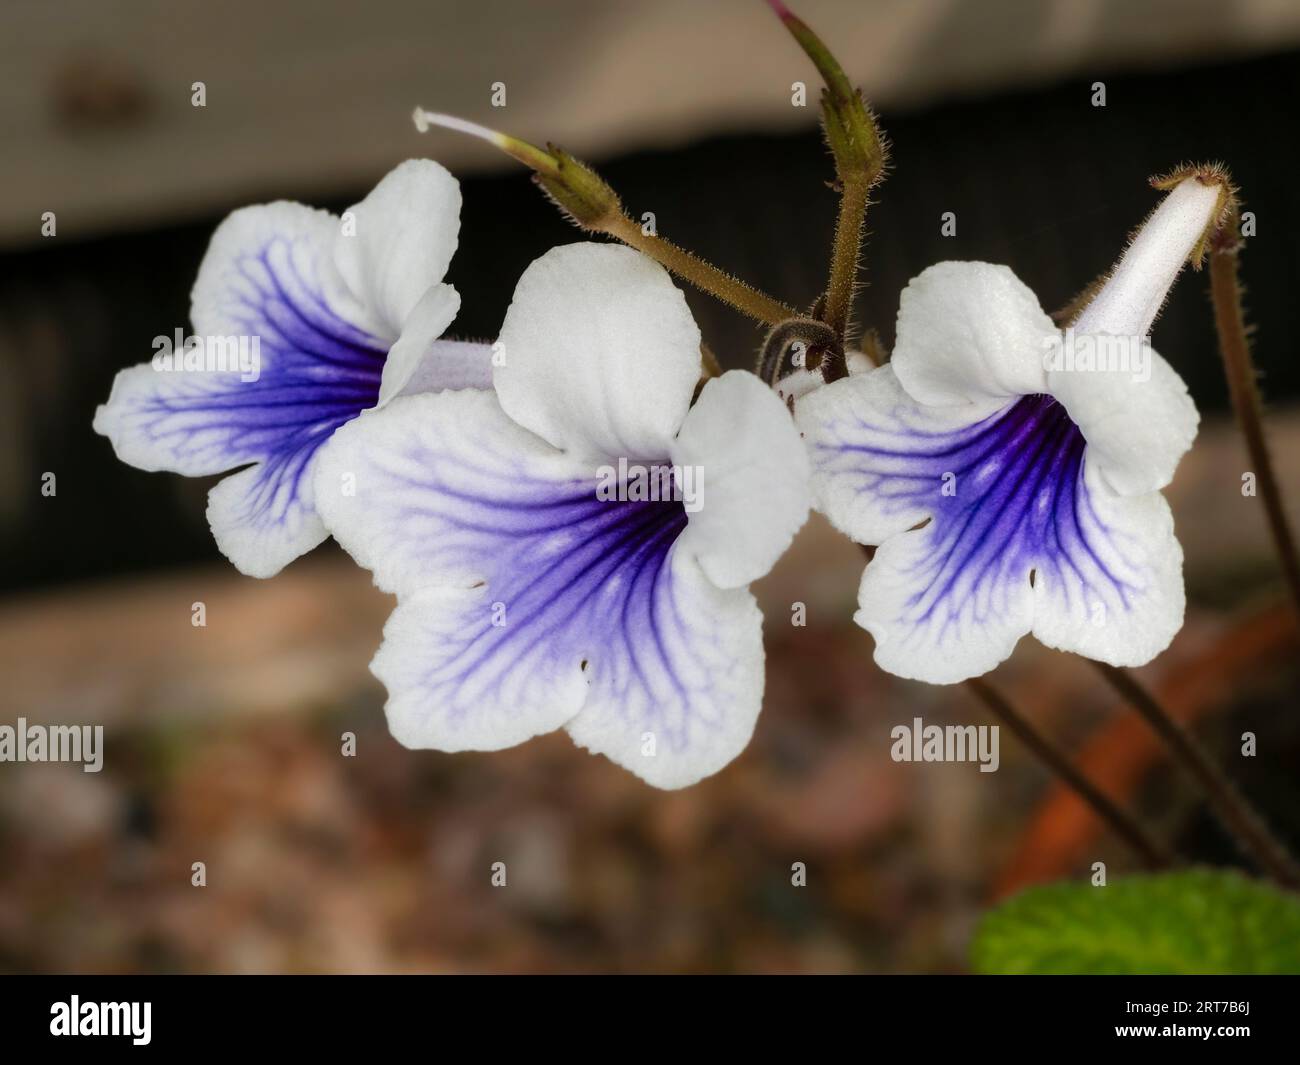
[[1041, 181]]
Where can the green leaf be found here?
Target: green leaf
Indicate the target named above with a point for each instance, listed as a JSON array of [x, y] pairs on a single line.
[[1192, 921]]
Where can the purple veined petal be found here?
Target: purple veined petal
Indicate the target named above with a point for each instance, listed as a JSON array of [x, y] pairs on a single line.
[[528, 601], [677, 697], [1004, 522], [1133, 538], [268, 283]]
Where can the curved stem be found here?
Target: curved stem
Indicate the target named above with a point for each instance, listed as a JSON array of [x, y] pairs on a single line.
[[1229, 321], [1152, 853], [1247, 828]]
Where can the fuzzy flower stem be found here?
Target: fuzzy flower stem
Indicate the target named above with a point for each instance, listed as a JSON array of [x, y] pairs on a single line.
[[861, 156], [1234, 347], [1153, 853], [703, 275], [1247, 828], [847, 253], [589, 202]]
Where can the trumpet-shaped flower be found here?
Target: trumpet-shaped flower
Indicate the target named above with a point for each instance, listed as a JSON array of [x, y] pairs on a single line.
[[1010, 471], [573, 549], [302, 320]]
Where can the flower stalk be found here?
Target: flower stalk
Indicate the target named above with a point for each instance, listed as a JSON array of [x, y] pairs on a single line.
[[1243, 388], [861, 155], [1243, 823], [588, 201], [1153, 853]]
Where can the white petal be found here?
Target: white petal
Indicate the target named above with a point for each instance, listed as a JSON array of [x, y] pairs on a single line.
[[740, 451], [799, 383], [970, 333], [1132, 297], [1117, 593], [601, 354], [425, 325], [406, 232], [262, 518], [456, 682], [868, 484], [676, 691], [1138, 427], [928, 629]]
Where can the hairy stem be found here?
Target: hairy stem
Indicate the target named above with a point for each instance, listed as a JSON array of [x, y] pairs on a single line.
[[846, 253], [1152, 853], [1229, 320], [861, 155], [587, 200], [690, 267], [1246, 827]]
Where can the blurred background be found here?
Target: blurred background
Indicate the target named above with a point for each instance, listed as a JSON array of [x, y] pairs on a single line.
[[223, 742]]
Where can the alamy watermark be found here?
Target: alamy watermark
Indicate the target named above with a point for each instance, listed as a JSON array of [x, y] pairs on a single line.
[[75, 1017], [1070, 352], [180, 353], [919, 742], [53, 743], [636, 483]]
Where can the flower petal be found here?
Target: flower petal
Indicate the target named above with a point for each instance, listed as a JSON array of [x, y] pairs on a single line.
[[437, 489], [975, 521], [1138, 426], [676, 694], [425, 325], [601, 354], [519, 588], [1117, 595], [405, 234], [867, 485], [1127, 304], [939, 625], [970, 333], [456, 682], [262, 518], [740, 449], [176, 421], [268, 283]]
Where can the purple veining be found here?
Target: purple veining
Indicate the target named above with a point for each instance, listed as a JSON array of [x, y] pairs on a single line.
[[1006, 500], [318, 371], [581, 579]]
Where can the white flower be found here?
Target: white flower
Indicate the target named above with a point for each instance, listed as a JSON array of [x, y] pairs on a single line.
[[527, 599], [1011, 481], [342, 314]]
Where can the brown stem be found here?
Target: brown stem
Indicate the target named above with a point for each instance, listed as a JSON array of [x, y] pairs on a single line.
[[703, 275], [1225, 293], [1246, 827], [1152, 853]]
